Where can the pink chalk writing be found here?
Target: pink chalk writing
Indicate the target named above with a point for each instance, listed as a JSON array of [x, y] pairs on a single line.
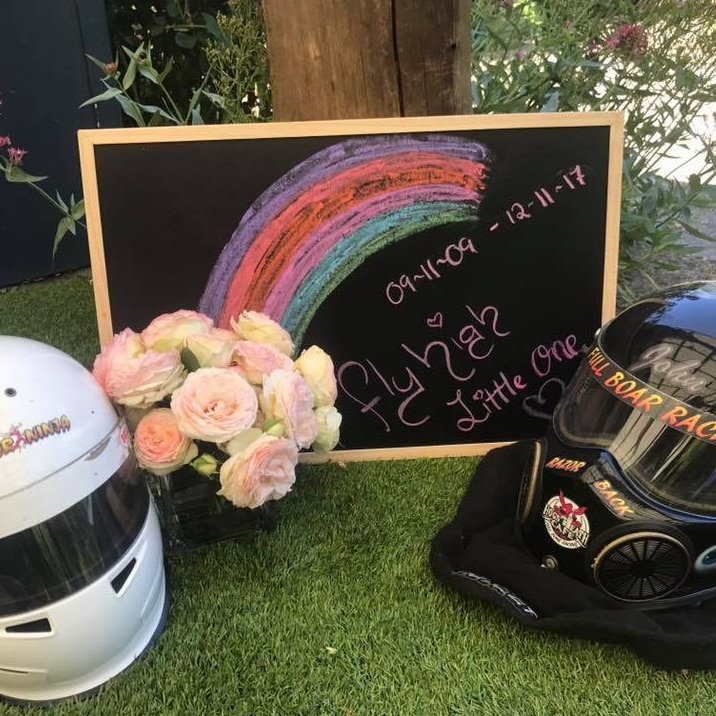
[[451, 364], [542, 197], [429, 270]]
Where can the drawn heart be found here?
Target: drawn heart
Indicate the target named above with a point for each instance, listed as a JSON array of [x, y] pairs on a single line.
[[436, 321], [543, 404]]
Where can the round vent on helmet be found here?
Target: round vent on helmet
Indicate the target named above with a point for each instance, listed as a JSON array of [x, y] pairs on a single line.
[[641, 566]]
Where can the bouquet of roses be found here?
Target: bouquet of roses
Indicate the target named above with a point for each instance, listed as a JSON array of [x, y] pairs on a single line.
[[231, 402]]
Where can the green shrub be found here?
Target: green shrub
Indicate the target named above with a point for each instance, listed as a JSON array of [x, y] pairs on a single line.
[[177, 31], [652, 60], [239, 60]]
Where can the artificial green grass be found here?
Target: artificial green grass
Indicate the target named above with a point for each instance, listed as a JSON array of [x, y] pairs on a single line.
[[58, 311], [336, 611]]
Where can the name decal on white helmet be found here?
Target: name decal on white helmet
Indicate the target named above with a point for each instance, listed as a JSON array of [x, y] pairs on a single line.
[[16, 438]]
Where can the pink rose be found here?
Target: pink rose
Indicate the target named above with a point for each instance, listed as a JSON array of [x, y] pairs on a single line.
[[136, 377], [288, 399], [257, 360], [255, 326], [159, 445], [265, 470], [214, 404], [316, 366], [170, 330]]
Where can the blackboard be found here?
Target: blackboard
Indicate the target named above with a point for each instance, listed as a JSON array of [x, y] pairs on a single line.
[[453, 267]]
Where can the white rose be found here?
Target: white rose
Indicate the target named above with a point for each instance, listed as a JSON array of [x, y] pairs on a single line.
[[316, 366], [213, 349], [258, 327], [329, 423]]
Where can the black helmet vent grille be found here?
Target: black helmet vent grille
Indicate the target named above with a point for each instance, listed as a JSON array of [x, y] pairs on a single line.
[[641, 566]]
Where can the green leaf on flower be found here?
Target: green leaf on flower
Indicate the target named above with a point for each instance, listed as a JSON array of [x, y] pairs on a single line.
[[130, 109], [20, 176], [150, 73], [217, 99], [77, 210], [130, 75], [99, 63], [189, 360], [66, 224], [61, 202], [109, 93]]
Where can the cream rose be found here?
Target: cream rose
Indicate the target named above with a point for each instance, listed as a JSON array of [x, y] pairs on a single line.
[[257, 360], [159, 445], [255, 326], [264, 471], [133, 376], [287, 398], [212, 349], [329, 423], [170, 330], [316, 366], [214, 404]]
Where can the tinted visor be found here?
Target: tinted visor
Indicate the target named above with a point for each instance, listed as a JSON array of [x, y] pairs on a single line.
[[652, 437], [69, 551]]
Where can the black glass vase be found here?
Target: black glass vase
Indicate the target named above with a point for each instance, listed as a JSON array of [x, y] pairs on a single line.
[[193, 515]]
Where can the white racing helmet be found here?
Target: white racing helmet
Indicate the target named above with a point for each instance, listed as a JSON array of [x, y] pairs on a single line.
[[82, 581]]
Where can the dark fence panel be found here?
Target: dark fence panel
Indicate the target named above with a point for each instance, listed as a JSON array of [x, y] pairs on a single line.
[[44, 77]]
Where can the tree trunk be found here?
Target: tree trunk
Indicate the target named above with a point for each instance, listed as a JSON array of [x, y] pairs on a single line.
[[350, 59]]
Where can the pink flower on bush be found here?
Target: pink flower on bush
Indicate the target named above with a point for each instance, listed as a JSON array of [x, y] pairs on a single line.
[[630, 40], [257, 360], [264, 471], [134, 376], [214, 404], [159, 445], [16, 155], [288, 399], [170, 330], [256, 326]]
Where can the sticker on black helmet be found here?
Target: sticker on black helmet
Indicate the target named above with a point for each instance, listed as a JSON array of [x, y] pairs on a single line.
[[566, 522]]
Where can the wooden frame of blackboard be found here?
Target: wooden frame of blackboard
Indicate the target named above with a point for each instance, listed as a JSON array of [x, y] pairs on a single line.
[[118, 204]]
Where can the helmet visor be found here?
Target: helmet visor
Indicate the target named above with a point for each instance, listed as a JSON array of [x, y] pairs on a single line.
[[666, 449], [60, 556]]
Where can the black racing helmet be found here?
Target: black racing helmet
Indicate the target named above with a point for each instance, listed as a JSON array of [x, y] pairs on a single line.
[[647, 395]]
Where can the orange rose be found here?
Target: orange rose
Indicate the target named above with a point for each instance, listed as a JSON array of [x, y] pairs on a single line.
[[159, 445]]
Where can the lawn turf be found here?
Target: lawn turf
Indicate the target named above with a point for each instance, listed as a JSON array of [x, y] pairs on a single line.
[[336, 612]]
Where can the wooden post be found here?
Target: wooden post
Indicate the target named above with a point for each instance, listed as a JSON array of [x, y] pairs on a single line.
[[349, 59]]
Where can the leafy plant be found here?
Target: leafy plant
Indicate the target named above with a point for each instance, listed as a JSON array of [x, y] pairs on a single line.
[[650, 60], [232, 85], [238, 58], [11, 159], [119, 86], [178, 31]]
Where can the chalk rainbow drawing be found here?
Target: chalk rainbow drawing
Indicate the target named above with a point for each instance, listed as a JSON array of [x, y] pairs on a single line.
[[321, 220]]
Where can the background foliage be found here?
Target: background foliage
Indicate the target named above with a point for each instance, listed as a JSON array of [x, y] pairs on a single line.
[[197, 61], [652, 60]]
